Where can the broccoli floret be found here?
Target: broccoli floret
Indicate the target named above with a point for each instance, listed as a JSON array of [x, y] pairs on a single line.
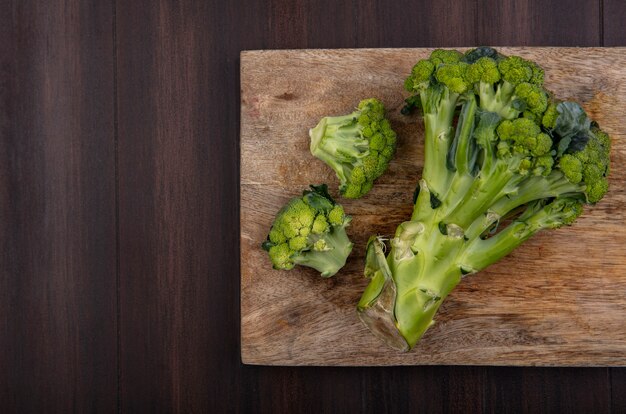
[[513, 152], [483, 70], [515, 70], [452, 75], [440, 82], [358, 146], [584, 150], [522, 141], [535, 98], [548, 119], [440, 56], [507, 86], [310, 231]]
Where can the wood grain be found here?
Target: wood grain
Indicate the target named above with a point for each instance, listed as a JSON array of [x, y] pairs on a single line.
[[539, 23], [553, 389], [406, 23], [57, 208], [614, 15], [552, 302], [167, 261], [618, 397]]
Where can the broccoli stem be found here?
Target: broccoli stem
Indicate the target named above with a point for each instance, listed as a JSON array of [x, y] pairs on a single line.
[[333, 257], [439, 105], [529, 190], [462, 157], [480, 196], [461, 151], [498, 100], [480, 253], [476, 257], [536, 188], [406, 292], [494, 180]]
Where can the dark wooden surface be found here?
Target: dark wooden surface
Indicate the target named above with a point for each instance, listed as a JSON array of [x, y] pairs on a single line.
[[119, 284], [58, 309]]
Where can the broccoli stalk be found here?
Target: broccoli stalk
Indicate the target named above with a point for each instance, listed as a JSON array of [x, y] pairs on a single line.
[[310, 231], [357, 146], [511, 156]]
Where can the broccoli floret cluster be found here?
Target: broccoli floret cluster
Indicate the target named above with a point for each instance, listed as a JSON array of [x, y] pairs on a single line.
[[582, 148], [357, 146], [523, 140], [503, 160], [504, 85], [533, 134], [310, 231]]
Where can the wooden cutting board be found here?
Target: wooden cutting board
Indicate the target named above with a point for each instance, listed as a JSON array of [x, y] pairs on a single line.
[[560, 299]]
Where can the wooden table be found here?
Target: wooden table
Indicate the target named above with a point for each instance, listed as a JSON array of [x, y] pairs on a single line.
[[119, 217]]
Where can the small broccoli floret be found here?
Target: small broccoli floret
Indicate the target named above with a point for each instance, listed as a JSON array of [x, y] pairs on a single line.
[[508, 86], [538, 74], [443, 66], [533, 96], [483, 70], [420, 76], [440, 84], [358, 146], [452, 75], [516, 70], [549, 116], [588, 165], [310, 231], [523, 142], [584, 150], [439, 56], [572, 168]]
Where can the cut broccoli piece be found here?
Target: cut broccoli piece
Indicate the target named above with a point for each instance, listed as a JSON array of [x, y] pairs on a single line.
[[310, 231], [358, 146], [513, 152]]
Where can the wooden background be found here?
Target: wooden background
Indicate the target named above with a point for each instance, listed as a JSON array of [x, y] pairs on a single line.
[[119, 218]]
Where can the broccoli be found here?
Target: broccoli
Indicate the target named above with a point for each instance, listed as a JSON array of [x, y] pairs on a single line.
[[503, 160], [310, 231], [358, 146]]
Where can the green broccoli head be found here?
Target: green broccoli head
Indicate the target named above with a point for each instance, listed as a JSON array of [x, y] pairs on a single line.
[[508, 86], [452, 75], [516, 70], [522, 141], [357, 146], [483, 70], [473, 55], [420, 76], [534, 98], [548, 120], [560, 153], [310, 231], [444, 67], [583, 149], [440, 56]]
